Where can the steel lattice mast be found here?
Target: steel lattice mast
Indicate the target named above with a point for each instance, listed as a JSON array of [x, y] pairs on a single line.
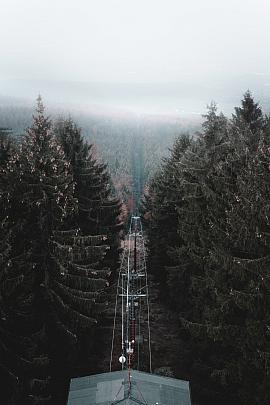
[[132, 291]]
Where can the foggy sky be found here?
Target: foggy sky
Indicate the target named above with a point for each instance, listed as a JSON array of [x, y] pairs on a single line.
[[194, 43]]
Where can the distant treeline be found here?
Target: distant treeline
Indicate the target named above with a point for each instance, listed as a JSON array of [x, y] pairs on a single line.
[[208, 218], [60, 227], [113, 139]]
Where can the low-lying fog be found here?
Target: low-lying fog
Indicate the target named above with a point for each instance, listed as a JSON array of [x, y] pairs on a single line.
[[153, 56]]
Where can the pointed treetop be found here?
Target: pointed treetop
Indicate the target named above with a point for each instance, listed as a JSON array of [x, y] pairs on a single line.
[[41, 124], [250, 113], [211, 114], [40, 106], [212, 107], [214, 126]]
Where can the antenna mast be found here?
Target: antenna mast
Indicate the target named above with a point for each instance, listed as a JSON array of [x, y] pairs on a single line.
[[132, 291]]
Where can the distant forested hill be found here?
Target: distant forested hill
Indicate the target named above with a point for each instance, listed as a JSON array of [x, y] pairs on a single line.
[[132, 146]]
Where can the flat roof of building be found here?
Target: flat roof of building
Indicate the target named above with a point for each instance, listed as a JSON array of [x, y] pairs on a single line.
[[113, 388]]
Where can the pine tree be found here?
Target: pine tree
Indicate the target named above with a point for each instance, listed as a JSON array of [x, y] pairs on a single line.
[[98, 210], [248, 122], [5, 145], [237, 317], [224, 287], [250, 113], [161, 203], [191, 190], [19, 354], [60, 266], [7, 367], [219, 193]]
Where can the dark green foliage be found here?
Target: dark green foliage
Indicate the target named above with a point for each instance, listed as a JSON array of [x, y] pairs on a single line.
[[160, 211], [16, 351], [98, 210], [249, 114], [113, 137], [53, 269], [217, 260], [5, 145]]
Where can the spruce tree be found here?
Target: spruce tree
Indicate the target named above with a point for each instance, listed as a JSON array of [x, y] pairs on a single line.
[[60, 266], [5, 145], [250, 113], [193, 189], [20, 357], [223, 289], [236, 318], [11, 359], [248, 122], [220, 189], [98, 209], [161, 203]]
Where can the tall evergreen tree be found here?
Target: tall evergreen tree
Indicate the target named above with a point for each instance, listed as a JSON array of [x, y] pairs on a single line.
[[223, 180], [98, 209], [248, 122], [161, 203], [195, 189], [235, 273], [60, 266], [5, 145], [249, 113], [12, 359]]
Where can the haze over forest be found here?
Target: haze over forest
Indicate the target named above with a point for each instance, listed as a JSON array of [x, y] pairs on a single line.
[[158, 57], [154, 113]]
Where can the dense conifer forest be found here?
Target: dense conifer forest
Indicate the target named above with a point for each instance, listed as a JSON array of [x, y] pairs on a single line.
[[60, 241], [204, 199], [113, 138], [207, 215]]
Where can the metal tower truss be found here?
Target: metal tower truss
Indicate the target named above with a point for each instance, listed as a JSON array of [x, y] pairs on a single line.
[[132, 382], [132, 296]]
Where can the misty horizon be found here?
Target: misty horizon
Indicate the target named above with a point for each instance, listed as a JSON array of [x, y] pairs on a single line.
[[151, 57], [171, 98]]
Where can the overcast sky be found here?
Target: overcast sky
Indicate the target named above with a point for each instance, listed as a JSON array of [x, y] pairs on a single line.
[[148, 42]]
